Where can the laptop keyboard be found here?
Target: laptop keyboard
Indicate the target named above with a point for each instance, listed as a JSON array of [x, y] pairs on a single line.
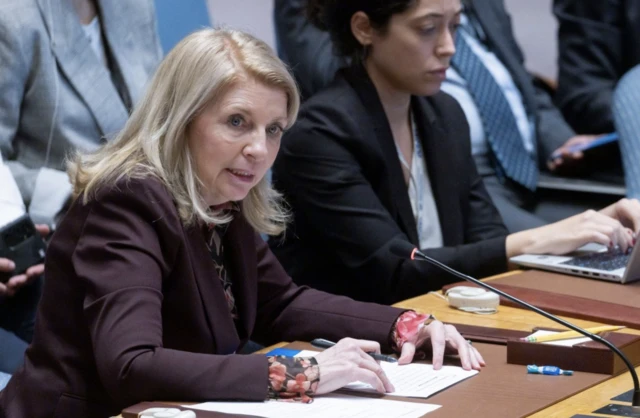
[[608, 261]]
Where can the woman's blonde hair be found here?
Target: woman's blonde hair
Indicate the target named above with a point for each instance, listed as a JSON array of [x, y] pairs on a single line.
[[199, 70]]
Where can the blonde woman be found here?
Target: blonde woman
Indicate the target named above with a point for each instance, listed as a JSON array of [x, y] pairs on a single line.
[[158, 275]]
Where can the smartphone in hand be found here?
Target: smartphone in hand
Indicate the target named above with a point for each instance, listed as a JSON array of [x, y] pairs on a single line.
[[21, 243]]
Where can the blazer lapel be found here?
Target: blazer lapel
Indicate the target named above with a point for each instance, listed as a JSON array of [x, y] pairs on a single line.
[[117, 22], [81, 66], [377, 119], [434, 144], [239, 245], [215, 306]]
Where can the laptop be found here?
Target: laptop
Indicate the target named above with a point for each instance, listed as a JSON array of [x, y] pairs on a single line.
[[592, 260]]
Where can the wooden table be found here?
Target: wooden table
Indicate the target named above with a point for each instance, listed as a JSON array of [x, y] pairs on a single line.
[[520, 319]]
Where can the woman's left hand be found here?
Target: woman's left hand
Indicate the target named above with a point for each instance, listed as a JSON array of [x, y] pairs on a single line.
[[441, 339], [15, 283], [627, 211]]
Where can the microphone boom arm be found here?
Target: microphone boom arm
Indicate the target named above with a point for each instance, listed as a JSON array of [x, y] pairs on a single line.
[[634, 376]]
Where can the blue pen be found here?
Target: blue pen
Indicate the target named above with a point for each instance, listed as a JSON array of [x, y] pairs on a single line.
[[605, 139], [548, 370]]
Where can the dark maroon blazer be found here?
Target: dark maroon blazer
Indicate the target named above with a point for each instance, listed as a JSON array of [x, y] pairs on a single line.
[[133, 310]]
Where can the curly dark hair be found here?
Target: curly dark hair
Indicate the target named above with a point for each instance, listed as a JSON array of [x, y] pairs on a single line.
[[334, 16]]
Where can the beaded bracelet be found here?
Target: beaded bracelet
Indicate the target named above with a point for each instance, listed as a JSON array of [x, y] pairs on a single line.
[[407, 327]]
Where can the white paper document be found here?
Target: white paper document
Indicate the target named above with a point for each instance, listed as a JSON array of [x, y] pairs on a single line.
[[413, 380], [417, 380], [334, 406]]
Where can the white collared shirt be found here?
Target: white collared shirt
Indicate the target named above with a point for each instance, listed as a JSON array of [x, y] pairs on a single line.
[[423, 204], [93, 31]]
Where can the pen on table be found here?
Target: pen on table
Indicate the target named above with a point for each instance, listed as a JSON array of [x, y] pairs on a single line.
[[548, 370], [322, 343], [571, 334]]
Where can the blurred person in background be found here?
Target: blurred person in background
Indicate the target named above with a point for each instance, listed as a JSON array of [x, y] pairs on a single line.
[[598, 43], [382, 154], [70, 72], [19, 295], [512, 120]]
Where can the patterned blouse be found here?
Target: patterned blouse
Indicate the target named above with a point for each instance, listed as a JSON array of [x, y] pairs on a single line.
[[294, 379]]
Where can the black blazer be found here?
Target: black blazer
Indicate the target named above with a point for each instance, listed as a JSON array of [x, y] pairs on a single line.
[[339, 169], [308, 51], [598, 42]]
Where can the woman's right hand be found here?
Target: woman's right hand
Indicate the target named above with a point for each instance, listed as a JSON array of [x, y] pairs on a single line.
[[570, 234], [347, 362]]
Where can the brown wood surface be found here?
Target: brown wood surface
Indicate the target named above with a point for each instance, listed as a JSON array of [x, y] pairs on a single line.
[[457, 401], [501, 391], [627, 295], [572, 296], [518, 319]]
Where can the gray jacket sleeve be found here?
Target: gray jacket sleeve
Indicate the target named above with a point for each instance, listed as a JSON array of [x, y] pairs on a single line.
[[14, 70], [307, 49], [551, 128], [591, 60], [44, 191], [553, 131]]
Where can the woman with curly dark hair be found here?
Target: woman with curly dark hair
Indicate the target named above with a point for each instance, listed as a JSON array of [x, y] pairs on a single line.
[[382, 154]]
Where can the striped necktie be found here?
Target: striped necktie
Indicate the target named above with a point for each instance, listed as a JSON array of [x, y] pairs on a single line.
[[499, 123]]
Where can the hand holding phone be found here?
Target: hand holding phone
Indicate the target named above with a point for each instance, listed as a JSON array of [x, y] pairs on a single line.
[[22, 244]]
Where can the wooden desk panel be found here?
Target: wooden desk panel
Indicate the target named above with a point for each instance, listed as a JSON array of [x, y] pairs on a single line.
[[501, 391], [506, 390], [510, 318], [575, 297], [506, 318], [520, 319]]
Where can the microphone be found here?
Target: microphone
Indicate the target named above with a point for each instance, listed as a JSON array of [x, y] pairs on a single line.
[[404, 249]]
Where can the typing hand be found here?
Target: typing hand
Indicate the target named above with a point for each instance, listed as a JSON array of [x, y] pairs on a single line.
[[14, 284], [627, 211], [347, 362], [441, 338], [572, 233]]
